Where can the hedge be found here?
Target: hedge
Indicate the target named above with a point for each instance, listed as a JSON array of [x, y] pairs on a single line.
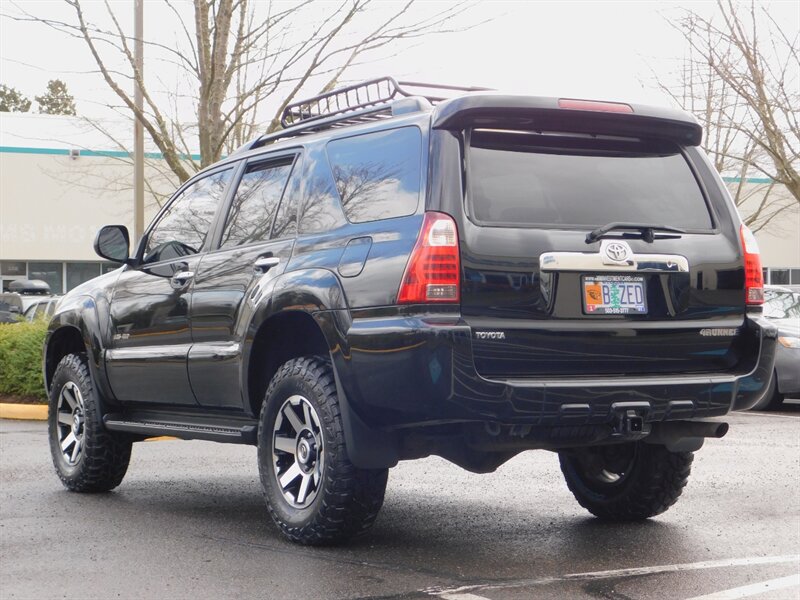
[[21, 359]]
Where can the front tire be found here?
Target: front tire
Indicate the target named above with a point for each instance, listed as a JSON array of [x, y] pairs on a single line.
[[87, 457], [626, 482], [313, 492]]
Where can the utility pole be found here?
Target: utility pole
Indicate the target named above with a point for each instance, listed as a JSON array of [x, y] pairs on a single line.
[[138, 131]]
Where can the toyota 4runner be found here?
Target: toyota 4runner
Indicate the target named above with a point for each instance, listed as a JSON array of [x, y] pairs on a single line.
[[395, 275]]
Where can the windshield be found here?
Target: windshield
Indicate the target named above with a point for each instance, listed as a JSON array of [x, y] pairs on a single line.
[[518, 178], [781, 305]]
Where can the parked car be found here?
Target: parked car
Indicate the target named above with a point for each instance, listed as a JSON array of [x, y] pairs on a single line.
[[10, 308], [22, 294], [782, 307], [42, 309], [394, 275]]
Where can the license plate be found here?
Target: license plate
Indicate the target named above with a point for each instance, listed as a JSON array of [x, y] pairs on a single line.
[[614, 295]]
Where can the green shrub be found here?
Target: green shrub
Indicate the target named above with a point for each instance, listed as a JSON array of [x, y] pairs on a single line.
[[21, 359]]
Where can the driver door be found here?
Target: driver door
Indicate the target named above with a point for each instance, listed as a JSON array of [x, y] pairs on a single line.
[[151, 335]]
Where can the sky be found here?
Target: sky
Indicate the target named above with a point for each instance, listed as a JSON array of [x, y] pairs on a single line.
[[601, 50]]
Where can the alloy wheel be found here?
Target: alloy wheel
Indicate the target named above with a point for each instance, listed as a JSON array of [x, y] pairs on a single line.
[[71, 422], [298, 451]]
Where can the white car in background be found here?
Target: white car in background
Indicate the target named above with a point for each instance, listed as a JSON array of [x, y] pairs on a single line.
[[16, 303]]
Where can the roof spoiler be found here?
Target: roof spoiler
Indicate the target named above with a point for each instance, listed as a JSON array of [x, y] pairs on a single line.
[[528, 113]]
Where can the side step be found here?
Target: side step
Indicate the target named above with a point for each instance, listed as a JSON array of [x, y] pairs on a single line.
[[230, 431]]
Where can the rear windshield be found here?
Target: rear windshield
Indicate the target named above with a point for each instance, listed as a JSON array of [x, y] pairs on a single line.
[[518, 178]]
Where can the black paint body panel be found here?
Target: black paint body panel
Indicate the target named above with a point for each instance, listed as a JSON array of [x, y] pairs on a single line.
[[158, 349]]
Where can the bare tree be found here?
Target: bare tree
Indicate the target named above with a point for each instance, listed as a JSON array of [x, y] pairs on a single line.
[[740, 78], [238, 57]]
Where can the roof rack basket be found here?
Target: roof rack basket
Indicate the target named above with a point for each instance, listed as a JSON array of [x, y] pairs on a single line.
[[374, 93]]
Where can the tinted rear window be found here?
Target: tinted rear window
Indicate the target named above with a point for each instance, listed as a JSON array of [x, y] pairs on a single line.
[[377, 174], [532, 179]]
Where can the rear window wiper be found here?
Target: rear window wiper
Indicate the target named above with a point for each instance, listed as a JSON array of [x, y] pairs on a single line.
[[647, 231]]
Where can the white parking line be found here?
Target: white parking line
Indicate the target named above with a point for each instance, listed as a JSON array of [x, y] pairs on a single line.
[[460, 593], [753, 589], [696, 566]]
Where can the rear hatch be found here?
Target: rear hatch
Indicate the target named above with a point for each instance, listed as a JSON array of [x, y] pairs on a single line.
[[545, 297]]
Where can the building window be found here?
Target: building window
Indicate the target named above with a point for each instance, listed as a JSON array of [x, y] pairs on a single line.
[[51, 272], [779, 276], [78, 273], [14, 268], [107, 267], [795, 276]]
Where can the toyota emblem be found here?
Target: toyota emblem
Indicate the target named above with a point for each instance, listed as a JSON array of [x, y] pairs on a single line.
[[617, 252]]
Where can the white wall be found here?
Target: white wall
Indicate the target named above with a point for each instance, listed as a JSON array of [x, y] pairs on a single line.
[[51, 206]]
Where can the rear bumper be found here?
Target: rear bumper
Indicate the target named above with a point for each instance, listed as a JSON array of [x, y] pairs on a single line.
[[407, 371]]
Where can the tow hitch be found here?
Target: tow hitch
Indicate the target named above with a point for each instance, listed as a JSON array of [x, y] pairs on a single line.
[[629, 420]]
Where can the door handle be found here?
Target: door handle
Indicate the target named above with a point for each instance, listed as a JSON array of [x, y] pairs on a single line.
[[181, 277], [265, 263]]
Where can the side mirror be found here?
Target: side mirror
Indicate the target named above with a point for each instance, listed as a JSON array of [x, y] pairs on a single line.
[[113, 243]]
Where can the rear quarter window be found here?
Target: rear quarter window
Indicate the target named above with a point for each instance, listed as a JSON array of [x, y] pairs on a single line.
[[526, 179], [377, 174]]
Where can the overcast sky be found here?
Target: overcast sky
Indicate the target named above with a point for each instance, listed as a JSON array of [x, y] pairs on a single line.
[[603, 50]]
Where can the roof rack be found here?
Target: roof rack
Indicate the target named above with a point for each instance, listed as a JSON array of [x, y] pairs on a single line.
[[369, 100], [367, 94]]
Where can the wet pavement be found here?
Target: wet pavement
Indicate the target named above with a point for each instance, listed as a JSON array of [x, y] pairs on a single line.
[[189, 522]]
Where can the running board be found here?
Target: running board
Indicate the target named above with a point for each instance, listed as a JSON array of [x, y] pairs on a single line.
[[240, 432]]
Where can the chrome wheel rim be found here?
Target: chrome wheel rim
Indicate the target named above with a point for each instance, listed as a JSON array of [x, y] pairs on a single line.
[[298, 451], [606, 476], [71, 422]]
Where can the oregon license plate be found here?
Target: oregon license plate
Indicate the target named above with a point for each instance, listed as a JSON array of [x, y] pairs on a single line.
[[614, 295]]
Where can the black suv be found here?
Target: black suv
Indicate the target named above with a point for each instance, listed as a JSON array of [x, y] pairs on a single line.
[[394, 275]]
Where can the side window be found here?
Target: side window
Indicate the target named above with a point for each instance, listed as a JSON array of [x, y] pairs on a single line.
[[286, 219], [255, 204], [377, 174], [319, 209], [183, 228]]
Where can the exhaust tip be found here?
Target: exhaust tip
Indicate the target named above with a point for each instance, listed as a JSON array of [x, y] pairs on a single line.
[[720, 430]]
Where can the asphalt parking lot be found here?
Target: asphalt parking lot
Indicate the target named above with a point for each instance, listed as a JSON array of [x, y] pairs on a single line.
[[189, 522]]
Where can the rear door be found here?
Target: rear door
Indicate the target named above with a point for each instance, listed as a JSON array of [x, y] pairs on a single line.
[[543, 301], [255, 244]]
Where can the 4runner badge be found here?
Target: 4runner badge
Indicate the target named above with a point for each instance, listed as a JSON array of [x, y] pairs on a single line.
[[721, 332], [490, 335]]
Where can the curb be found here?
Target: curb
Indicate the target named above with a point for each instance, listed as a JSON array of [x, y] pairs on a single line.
[[38, 412], [27, 412]]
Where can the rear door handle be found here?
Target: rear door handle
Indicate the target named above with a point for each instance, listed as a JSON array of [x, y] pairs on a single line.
[[265, 263]]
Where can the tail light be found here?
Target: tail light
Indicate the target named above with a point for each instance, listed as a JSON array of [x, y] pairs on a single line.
[[753, 276], [433, 273]]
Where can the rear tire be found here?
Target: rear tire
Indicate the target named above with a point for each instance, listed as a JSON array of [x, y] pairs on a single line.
[[773, 399], [87, 457], [626, 482], [314, 493]]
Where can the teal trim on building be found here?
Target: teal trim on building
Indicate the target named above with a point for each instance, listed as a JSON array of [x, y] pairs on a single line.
[[747, 180], [158, 155], [103, 153]]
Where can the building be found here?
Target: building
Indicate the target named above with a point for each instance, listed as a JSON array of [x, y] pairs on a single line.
[[61, 179]]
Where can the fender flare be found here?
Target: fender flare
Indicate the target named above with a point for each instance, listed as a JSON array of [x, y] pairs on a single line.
[[319, 293], [80, 314]]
